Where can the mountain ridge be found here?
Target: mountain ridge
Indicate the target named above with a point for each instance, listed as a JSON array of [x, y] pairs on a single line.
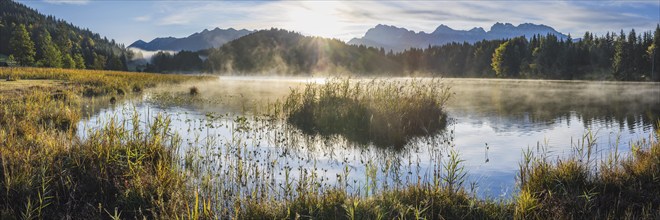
[[197, 41], [398, 39]]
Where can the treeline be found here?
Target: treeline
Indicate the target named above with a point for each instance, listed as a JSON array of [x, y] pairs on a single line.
[[281, 51], [624, 56], [182, 61], [29, 38]]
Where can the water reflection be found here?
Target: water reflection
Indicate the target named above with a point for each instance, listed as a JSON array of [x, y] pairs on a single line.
[[531, 103], [492, 121]]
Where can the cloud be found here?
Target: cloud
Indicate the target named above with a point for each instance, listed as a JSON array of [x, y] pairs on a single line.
[[68, 2], [349, 19], [142, 18]]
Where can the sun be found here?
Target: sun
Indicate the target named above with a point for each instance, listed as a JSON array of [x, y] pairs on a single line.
[[317, 18]]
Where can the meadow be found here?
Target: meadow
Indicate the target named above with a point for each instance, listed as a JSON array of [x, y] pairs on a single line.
[[138, 166]]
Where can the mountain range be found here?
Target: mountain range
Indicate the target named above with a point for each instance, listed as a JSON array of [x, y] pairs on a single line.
[[399, 39], [385, 36], [197, 41]]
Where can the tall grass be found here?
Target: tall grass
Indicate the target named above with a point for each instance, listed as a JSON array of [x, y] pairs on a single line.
[[132, 168], [92, 83], [46, 172], [581, 187], [383, 112]]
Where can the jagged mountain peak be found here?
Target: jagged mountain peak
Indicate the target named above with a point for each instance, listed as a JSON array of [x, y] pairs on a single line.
[[477, 30], [382, 27], [443, 29], [198, 41], [398, 38]]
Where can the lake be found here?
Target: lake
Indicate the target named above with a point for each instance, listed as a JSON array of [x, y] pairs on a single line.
[[229, 141]]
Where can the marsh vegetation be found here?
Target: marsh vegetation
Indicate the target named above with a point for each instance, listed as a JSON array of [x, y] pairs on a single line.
[[232, 150], [386, 113]]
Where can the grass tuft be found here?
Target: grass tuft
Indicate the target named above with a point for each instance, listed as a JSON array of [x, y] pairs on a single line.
[[193, 91], [120, 172], [576, 187], [385, 113]]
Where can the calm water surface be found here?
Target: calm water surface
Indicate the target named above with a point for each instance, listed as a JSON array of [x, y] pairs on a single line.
[[492, 122]]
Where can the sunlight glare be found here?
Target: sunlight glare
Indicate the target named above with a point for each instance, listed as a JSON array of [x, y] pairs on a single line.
[[317, 18]]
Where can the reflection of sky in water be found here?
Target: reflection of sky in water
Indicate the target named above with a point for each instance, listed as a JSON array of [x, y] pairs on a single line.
[[476, 126], [506, 146]]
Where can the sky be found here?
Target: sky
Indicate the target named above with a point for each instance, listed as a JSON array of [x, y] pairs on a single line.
[[127, 21]]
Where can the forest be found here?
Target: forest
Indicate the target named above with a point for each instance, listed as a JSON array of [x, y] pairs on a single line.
[[28, 38], [624, 56]]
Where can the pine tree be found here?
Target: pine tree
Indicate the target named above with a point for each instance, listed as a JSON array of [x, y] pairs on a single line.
[[620, 60], [68, 62], [80, 61], [653, 52], [633, 54], [99, 61], [51, 56], [22, 46]]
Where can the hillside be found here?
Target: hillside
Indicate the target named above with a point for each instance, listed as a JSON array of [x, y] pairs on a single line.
[[50, 42], [197, 41], [280, 51], [399, 39]]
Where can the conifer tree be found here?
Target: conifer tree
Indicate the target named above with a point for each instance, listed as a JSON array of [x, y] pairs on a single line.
[[653, 52], [51, 56], [68, 62], [22, 46], [80, 61]]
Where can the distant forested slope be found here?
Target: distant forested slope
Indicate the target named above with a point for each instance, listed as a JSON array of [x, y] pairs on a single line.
[[30, 38], [623, 56], [197, 41], [281, 51]]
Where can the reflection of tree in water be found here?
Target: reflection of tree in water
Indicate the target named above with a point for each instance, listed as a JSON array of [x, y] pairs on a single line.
[[537, 105]]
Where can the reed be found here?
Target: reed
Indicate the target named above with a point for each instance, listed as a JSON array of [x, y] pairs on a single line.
[[382, 112], [131, 168], [48, 172], [583, 187]]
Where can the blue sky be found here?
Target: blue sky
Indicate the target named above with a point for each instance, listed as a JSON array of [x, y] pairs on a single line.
[[127, 21]]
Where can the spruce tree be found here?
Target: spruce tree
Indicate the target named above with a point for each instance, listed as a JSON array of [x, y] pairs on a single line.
[[620, 60], [68, 62], [80, 61], [22, 46], [51, 56], [654, 54]]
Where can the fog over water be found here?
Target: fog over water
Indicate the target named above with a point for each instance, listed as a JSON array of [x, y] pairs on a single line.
[[491, 122]]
